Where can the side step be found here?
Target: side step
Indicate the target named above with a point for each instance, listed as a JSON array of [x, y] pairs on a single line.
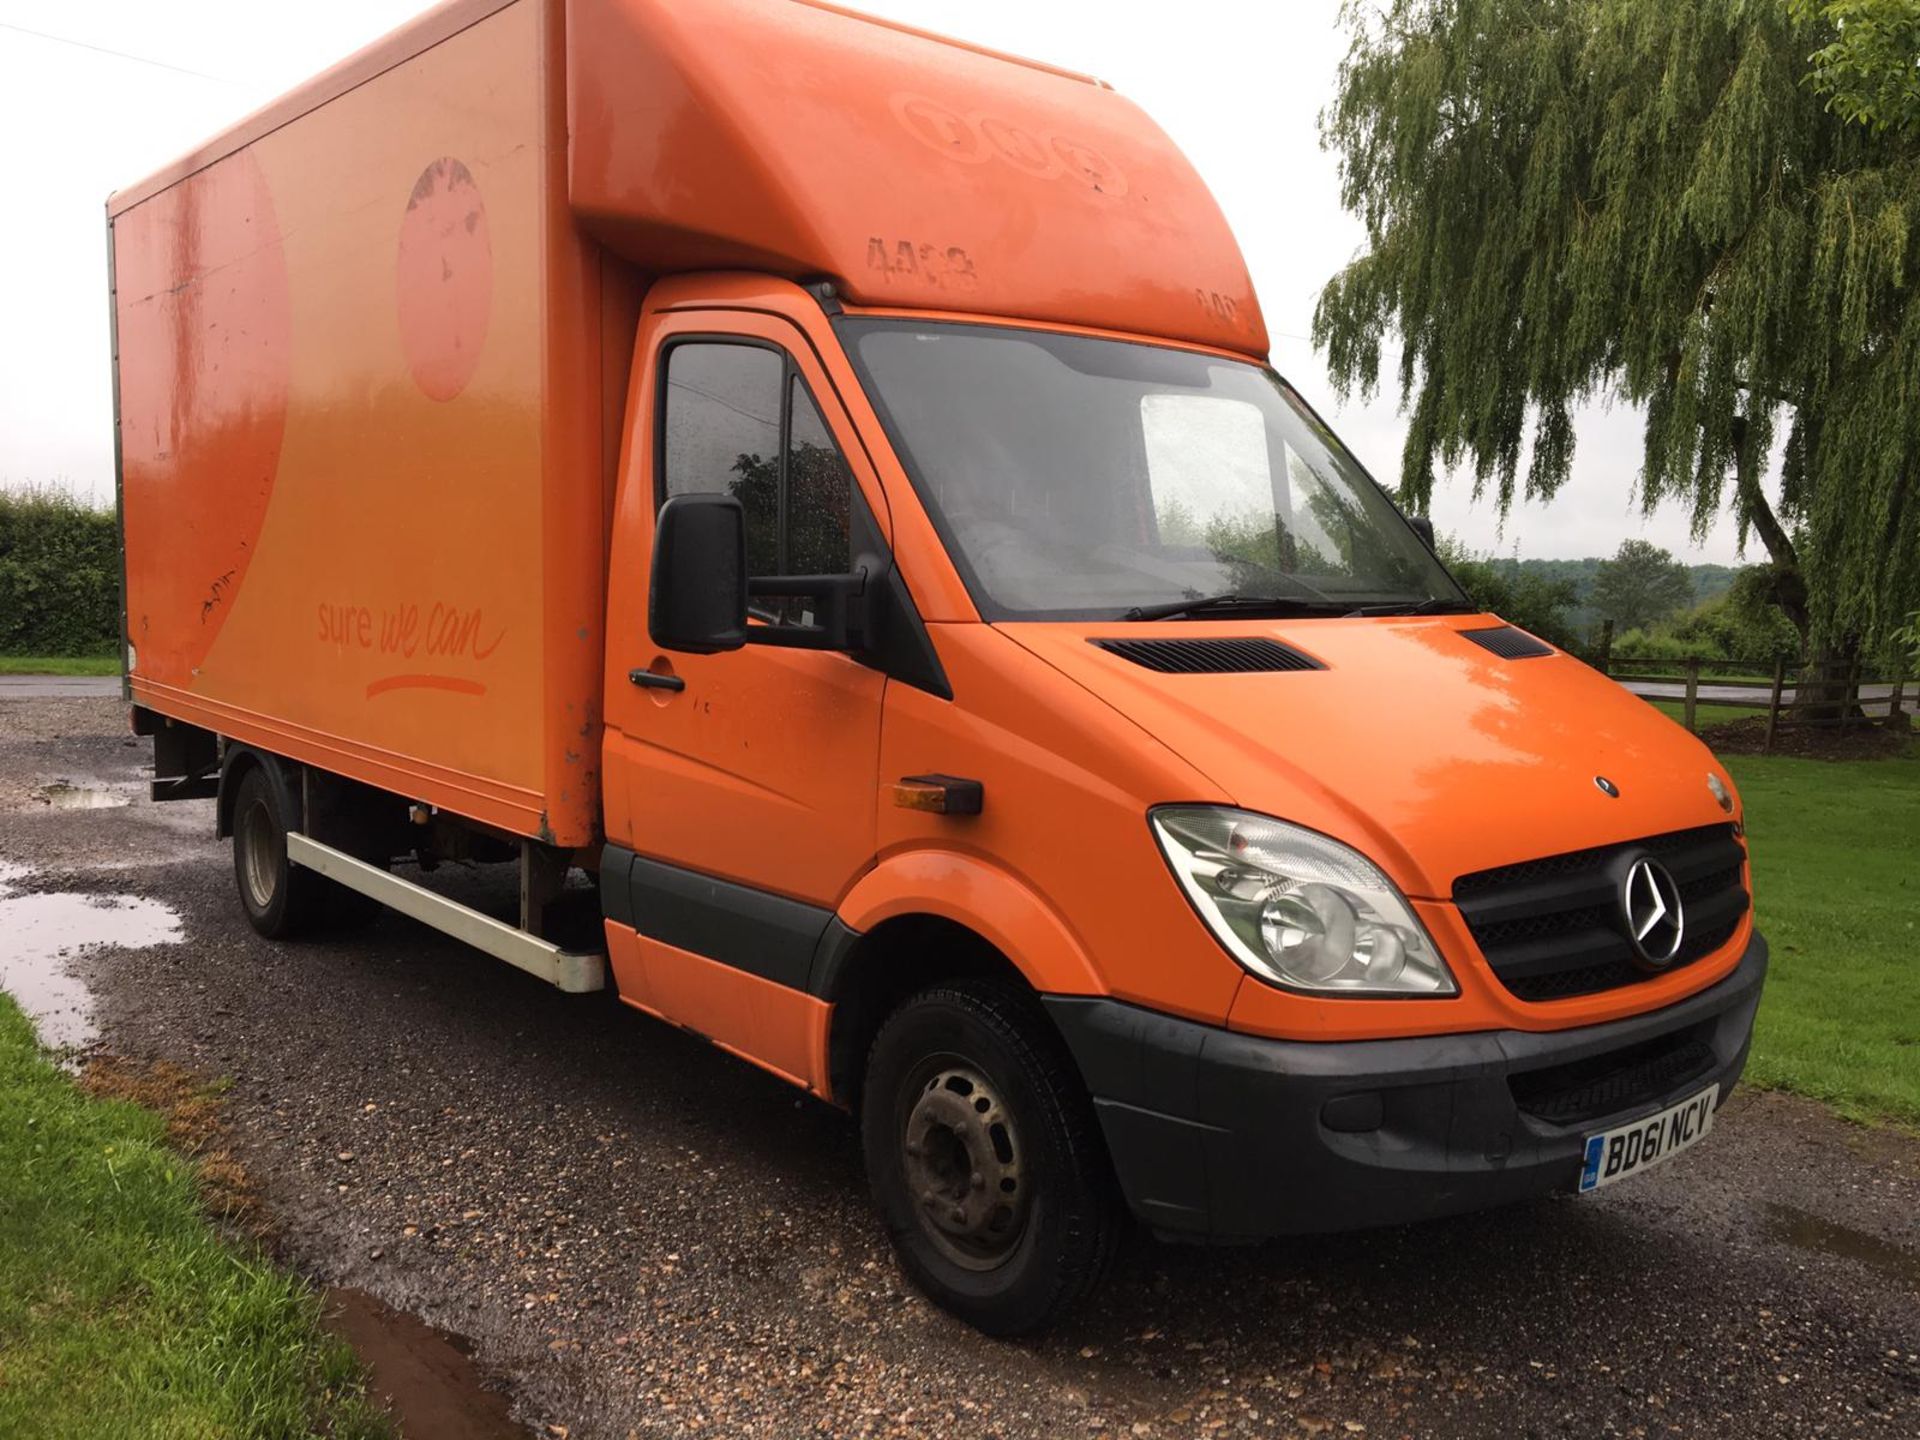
[[570, 970]]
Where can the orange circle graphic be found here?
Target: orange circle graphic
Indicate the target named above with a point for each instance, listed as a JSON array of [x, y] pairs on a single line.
[[939, 127], [444, 279], [1090, 166], [1021, 149]]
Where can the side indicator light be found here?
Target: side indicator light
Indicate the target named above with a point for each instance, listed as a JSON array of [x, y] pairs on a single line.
[[939, 794]]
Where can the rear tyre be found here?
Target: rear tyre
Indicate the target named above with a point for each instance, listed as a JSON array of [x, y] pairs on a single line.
[[280, 898], [985, 1158]]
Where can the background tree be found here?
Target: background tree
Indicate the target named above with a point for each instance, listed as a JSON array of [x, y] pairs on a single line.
[[1641, 584], [1870, 74], [1746, 622], [1571, 199], [1907, 638], [1525, 598]]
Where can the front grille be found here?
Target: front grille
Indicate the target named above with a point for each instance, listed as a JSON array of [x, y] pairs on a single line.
[[1619, 1080], [1552, 928]]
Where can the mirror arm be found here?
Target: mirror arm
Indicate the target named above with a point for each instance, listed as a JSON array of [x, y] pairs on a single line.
[[813, 587], [843, 611], [794, 637]]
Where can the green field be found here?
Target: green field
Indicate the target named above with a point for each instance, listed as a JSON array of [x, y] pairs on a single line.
[[123, 1316], [59, 664], [1836, 861]]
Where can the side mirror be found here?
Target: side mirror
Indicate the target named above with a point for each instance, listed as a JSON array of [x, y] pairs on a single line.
[[1423, 527], [697, 599]]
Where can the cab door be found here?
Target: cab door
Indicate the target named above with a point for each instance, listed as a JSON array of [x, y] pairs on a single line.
[[739, 787]]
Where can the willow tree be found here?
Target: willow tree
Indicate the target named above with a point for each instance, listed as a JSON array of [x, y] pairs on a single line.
[[1570, 200], [1870, 71]]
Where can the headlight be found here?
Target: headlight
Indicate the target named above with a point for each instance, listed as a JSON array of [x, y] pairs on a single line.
[[1297, 908]]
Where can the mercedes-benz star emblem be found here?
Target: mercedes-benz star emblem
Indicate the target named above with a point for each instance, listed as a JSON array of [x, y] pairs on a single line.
[[1650, 901]]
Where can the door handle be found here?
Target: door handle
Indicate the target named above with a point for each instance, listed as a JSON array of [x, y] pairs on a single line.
[[653, 680]]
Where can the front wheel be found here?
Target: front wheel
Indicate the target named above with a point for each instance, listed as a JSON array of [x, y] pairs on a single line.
[[985, 1157]]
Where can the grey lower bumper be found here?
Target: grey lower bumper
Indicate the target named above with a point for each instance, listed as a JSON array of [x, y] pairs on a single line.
[[1222, 1136]]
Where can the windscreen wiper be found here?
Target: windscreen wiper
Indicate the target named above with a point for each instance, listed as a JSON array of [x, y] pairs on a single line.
[[1433, 606], [1233, 603]]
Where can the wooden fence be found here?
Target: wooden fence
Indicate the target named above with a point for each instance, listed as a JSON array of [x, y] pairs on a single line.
[[1855, 696]]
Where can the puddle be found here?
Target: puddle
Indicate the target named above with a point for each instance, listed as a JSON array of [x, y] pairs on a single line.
[[425, 1377], [42, 930], [65, 795], [1805, 1231]]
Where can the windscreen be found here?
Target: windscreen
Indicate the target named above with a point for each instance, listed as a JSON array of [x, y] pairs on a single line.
[[1080, 478]]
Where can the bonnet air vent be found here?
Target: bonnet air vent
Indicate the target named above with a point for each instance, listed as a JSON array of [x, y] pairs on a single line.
[[1211, 657], [1507, 642]]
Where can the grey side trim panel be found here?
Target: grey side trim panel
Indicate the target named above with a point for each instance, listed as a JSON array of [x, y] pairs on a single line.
[[764, 934], [616, 880], [830, 959]]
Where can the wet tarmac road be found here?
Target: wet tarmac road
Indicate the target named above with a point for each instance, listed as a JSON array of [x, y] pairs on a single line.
[[58, 687], [642, 1236]]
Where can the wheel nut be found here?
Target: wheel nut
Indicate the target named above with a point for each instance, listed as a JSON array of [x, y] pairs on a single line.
[[977, 1180], [959, 1214]]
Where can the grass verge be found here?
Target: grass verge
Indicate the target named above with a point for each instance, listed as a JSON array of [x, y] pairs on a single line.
[[59, 664], [122, 1313], [1703, 713], [1836, 861]]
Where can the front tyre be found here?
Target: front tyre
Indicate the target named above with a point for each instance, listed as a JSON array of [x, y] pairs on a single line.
[[985, 1157]]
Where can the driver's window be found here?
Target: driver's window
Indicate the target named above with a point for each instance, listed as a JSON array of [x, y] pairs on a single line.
[[738, 420], [722, 435]]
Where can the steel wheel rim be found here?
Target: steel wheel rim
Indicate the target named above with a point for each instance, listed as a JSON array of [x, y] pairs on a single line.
[[261, 851], [962, 1159]]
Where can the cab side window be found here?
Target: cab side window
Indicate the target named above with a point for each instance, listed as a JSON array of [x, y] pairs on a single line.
[[738, 420], [722, 435]]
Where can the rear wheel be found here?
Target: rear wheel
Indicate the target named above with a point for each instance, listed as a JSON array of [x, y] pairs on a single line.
[[985, 1157], [278, 896]]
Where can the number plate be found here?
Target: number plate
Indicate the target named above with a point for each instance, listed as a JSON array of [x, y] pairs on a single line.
[[1627, 1150]]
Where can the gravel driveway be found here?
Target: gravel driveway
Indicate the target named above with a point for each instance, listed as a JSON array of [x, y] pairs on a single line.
[[642, 1236]]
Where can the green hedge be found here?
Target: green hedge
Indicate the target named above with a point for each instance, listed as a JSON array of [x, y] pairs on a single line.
[[59, 575]]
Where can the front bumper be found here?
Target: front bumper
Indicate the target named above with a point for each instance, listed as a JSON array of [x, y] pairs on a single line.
[[1221, 1136]]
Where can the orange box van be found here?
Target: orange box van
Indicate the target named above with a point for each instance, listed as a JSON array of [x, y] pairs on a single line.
[[811, 496]]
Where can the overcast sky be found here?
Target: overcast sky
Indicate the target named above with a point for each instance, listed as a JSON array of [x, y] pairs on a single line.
[[1237, 83]]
